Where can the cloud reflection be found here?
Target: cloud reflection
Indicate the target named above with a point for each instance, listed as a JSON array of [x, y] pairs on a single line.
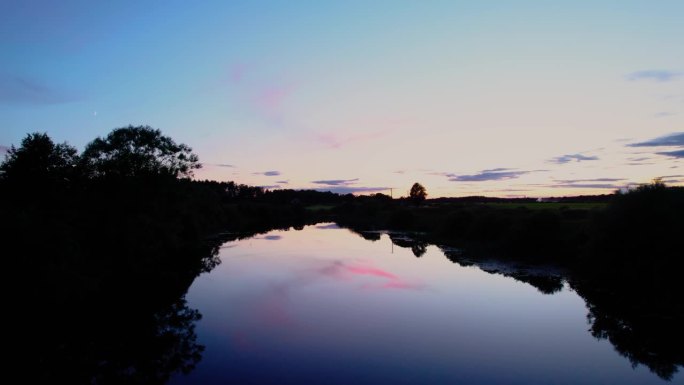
[[340, 270], [274, 308]]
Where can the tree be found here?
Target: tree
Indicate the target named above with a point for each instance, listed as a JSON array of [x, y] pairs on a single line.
[[417, 193], [138, 151], [39, 160]]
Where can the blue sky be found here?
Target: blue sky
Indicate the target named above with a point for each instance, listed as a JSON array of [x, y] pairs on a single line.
[[519, 98]]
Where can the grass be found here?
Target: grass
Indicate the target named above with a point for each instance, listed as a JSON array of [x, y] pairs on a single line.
[[549, 205], [319, 207]]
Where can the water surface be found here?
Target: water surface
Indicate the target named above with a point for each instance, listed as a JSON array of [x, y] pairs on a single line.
[[323, 305]]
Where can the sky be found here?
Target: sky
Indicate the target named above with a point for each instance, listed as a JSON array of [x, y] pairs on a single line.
[[496, 98]]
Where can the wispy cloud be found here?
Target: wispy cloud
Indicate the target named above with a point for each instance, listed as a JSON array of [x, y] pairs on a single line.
[[237, 72], [282, 181], [262, 93], [346, 186], [663, 114], [268, 173], [352, 189], [567, 181], [336, 182], [270, 187], [590, 183], [587, 185], [17, 90], [572, 158], [640, 161], [674, 154], [654, 75], [270, 99], [672, 179], [675, 139], [488, 175]]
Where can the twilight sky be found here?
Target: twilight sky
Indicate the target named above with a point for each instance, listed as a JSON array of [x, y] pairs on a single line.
[[499, 98]]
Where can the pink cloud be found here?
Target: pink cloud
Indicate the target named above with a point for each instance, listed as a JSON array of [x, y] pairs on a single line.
[[237, 72], [262, 93], [271, 98]]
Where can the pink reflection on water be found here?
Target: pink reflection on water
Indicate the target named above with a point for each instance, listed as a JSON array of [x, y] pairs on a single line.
[[277, 307], [341, 271], [362, 270]]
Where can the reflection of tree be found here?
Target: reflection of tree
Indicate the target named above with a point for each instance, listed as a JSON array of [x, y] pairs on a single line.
[[544, 281], [638, 327], [367, 235], [83, 325], [417, 246], [117, 346], [642, 323], [546, 284], [647, 342]]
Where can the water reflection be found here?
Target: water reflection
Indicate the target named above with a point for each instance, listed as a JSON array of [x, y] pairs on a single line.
[[84, 324], [323, 306], [546, 279], [270, 237], [637, 326], [651, 337]]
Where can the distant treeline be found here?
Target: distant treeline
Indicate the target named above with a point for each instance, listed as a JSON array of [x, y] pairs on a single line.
[[602, 198]]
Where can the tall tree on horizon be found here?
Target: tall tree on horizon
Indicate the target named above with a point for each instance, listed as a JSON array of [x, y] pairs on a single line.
[[418, 193]]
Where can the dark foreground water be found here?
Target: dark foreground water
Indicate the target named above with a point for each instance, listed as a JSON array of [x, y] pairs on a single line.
[[325, 306]]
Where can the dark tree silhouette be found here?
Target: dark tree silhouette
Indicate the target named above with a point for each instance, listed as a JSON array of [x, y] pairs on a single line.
[[39, 160], [138, 151], [417, 193]]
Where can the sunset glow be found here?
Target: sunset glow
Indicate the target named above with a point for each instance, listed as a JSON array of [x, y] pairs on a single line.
[[522, 98]]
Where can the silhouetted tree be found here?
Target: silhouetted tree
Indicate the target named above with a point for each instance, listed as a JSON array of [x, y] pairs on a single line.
[[39, 160], [417, 193], [138, 151]]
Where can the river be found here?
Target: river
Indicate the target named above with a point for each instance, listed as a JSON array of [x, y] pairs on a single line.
[[325, 306]]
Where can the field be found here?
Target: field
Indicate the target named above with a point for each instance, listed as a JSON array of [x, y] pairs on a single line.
[[549, 205]]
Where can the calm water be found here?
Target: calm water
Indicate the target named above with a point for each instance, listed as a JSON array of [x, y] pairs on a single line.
[[323, 305]]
